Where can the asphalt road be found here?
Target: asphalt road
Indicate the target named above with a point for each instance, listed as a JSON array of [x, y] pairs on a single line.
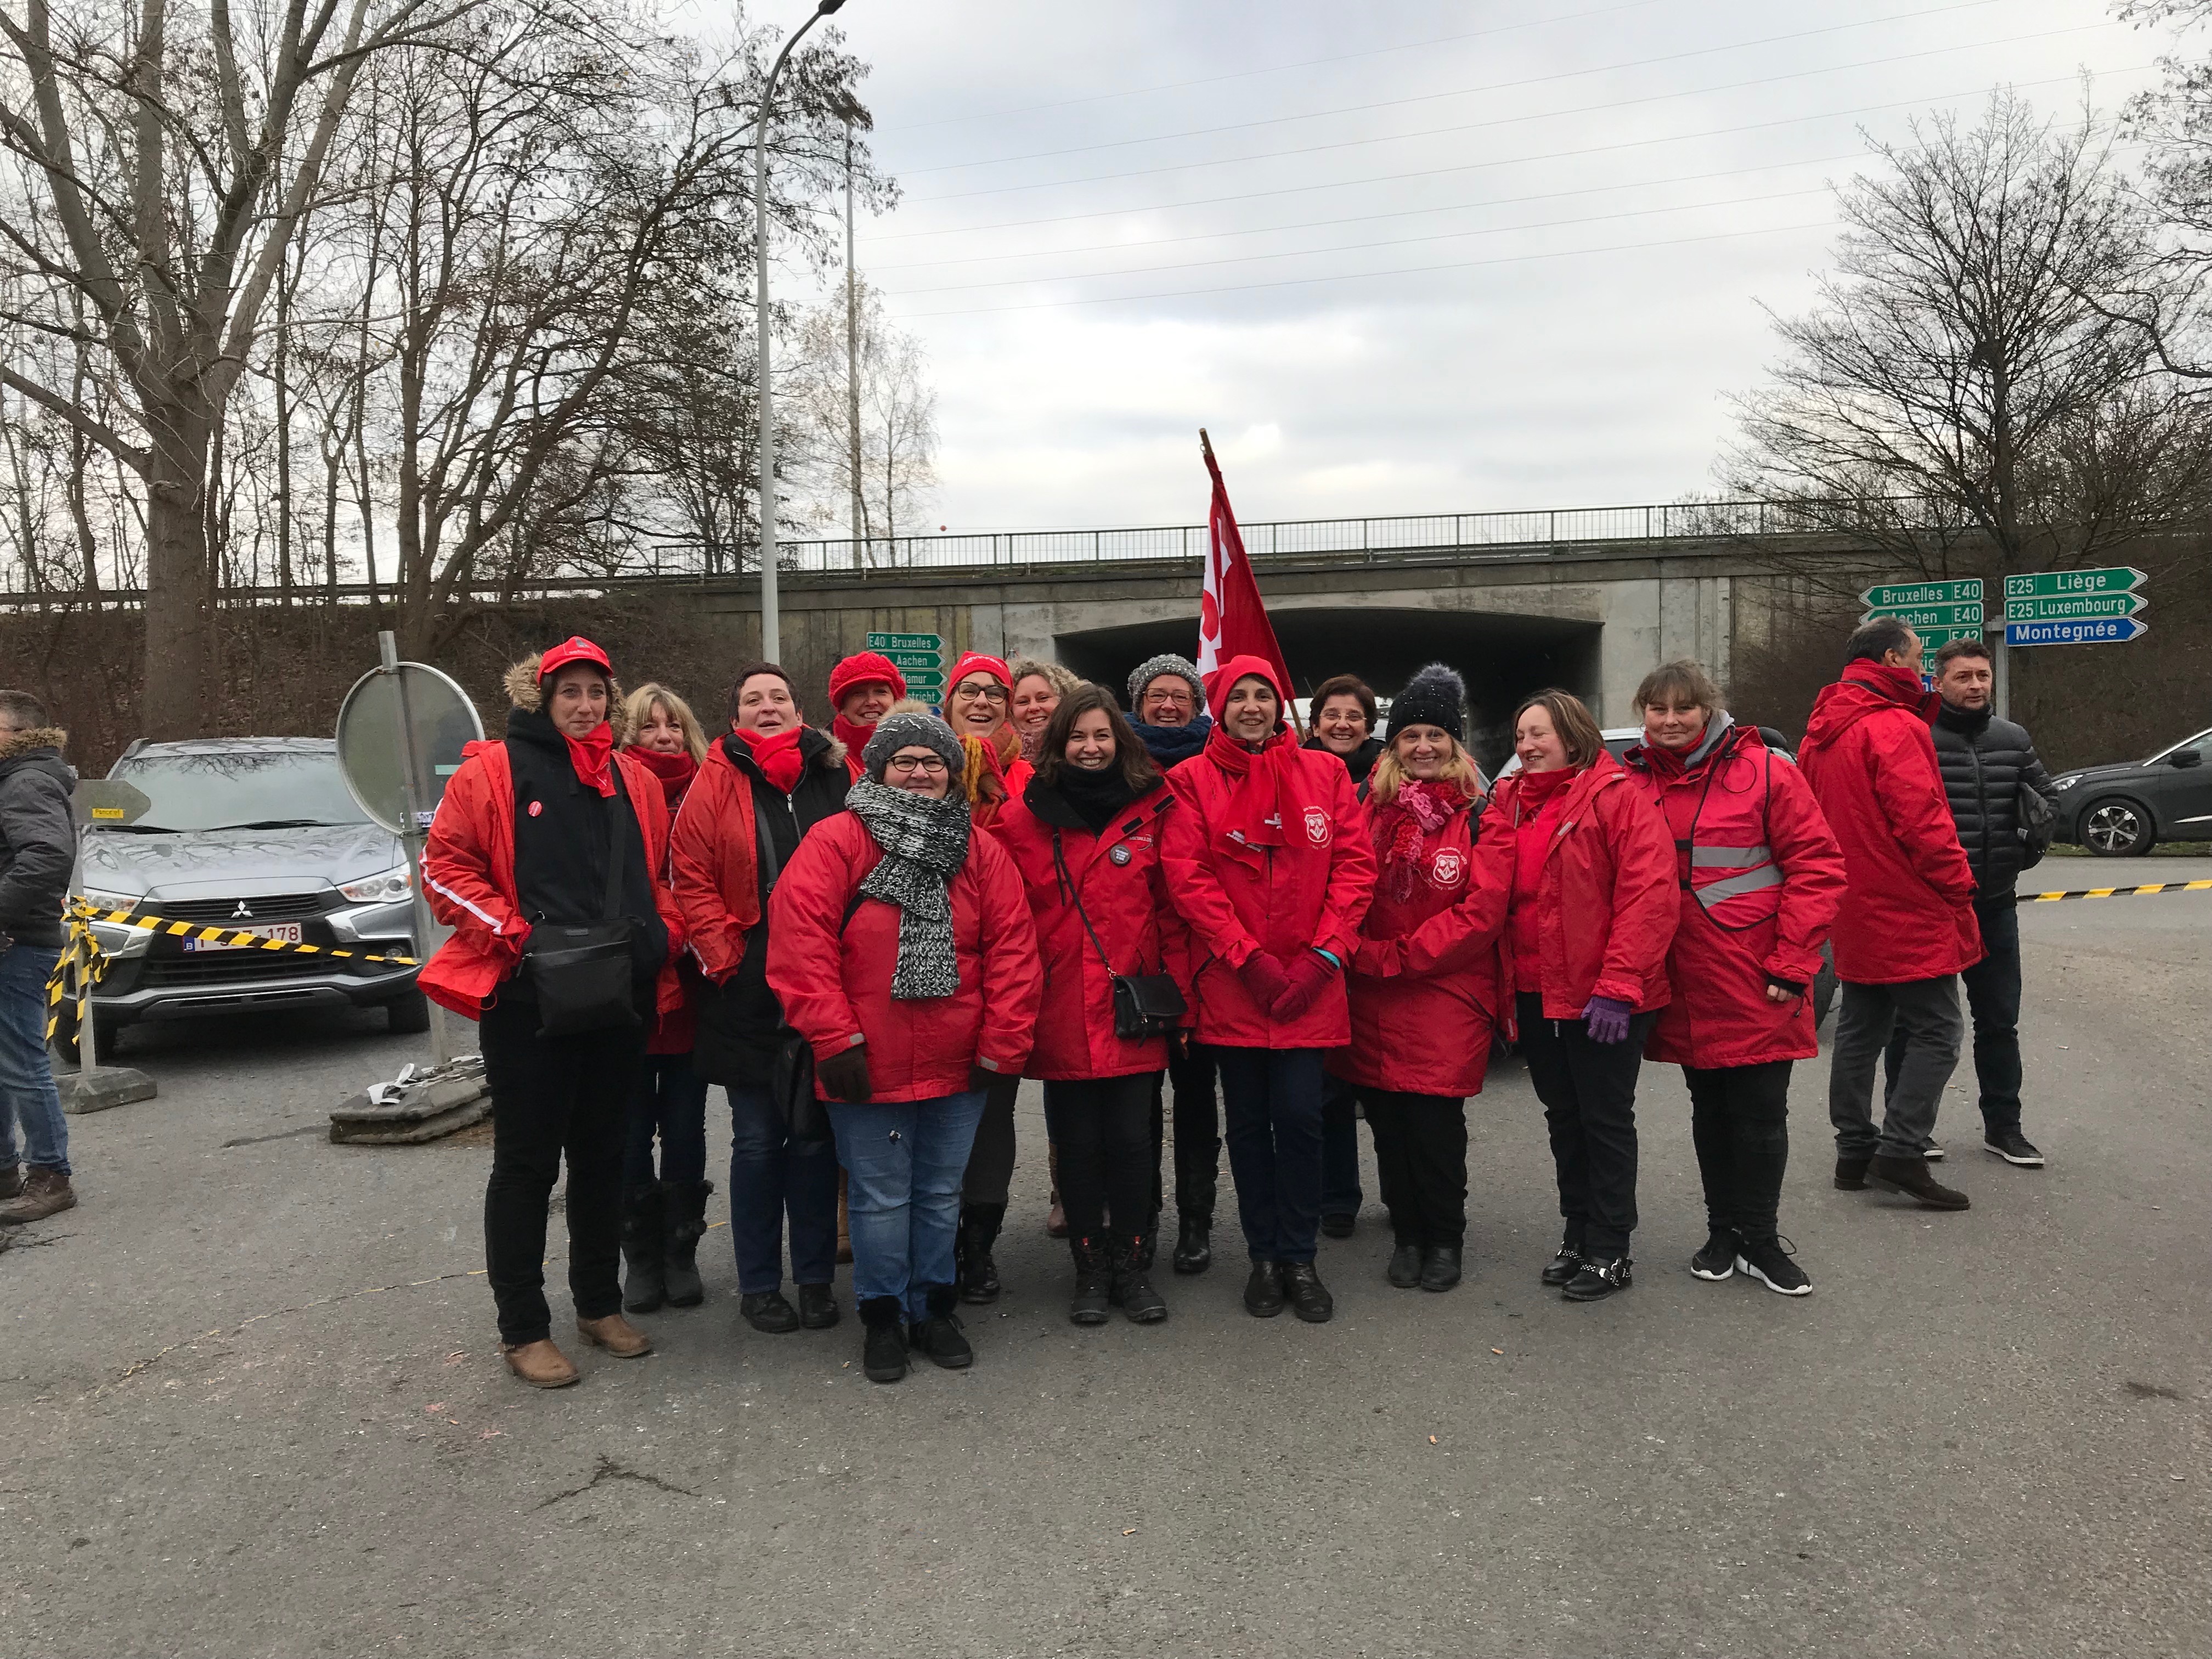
[[253, 1405]]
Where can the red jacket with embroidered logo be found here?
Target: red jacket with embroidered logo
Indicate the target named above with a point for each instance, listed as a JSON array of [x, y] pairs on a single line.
[[1424, 987], [1117, 873], [1607, 901], [1759, 877], [834, 976], [468, 876], [1312, 891], [1909, 912]]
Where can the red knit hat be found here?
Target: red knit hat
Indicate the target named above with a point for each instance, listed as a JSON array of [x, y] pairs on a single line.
[[976, 663], [865, 668], [575, 649]]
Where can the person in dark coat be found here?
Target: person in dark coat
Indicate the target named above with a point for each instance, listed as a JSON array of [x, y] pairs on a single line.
[[1987, 763], [1345, 716], [38, 849]]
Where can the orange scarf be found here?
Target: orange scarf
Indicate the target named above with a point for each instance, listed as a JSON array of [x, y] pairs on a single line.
[[984, 778]]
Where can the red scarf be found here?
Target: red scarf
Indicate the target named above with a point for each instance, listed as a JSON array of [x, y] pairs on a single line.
[[854, 735], [594, 756], [984, 777], [1260, 795], [675, 771], [776, 753], [1418, 811]]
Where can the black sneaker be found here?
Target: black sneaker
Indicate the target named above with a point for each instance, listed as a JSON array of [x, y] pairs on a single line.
[[1338, 1225], [1405, 1268], [1263, 1292], [2014, 1148], [1563, 1266], [1599, 1280], [1309, 1297], [883, 1354], [938, 1336], [1767, 1260], [1717, 1260], [767, 1311]]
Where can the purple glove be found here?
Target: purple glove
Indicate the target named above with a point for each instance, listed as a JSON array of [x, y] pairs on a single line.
[[1605, 1020], [1309, 977], [1263, 976]]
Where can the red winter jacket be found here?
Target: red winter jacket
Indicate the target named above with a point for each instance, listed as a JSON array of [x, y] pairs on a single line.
[[1126, 897], [1423, 987], [1760, 877], [1909, 913], [834, 976], [468, 876], [1606, 906], [1311, 891]]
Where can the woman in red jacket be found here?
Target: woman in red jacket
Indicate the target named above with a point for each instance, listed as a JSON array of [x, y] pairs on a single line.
[[1086, 836], [992, 772], [1268, 863], [900, 947], [1585, 951], [1760, 877], [665, 1215], [1423, 985], [542, 841]]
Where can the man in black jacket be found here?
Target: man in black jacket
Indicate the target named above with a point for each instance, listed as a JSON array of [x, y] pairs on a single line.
[[38, 849], [1986, 764]]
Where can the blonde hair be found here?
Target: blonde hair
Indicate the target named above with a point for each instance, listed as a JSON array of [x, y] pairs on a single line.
[[1389, 776], [639, 704], [1062, 680]]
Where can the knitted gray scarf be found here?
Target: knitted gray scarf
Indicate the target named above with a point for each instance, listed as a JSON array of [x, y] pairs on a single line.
[[924, 844]]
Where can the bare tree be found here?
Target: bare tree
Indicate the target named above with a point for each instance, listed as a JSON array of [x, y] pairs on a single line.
[[895, 450]]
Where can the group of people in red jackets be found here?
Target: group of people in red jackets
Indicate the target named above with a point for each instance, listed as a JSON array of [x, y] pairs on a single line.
[[869, 931]]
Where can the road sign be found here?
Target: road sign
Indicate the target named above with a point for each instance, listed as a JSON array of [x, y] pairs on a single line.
[[2072, 608], [2045, 584], [906, 659], [399, 737], [1933, 640], [1920, 616], [1893, 596], [932, 643], [2095, 630], [925, 679]]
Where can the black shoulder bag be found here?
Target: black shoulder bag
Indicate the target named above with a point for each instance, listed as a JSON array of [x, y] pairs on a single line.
[[582, 973], [1145, 1004], [791, 1069], [2039, 822]]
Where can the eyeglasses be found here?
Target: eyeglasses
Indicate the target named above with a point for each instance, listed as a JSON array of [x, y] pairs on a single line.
[[908, 765], [987, 693]]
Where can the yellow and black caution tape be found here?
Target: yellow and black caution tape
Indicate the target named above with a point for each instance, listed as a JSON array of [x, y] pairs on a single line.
[[2122, 892], [83, 964]]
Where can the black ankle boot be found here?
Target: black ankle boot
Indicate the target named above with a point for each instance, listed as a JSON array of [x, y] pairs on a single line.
[[979, 1231], [644, 1285], [883, 1351], [1565, 1265], [1404, 1270], [684, 1222], [1309, 1297], [1193, 1251], [817, 1306], [938, 1336], [1133, 1284], [1093, 1290], [1440, 1267]]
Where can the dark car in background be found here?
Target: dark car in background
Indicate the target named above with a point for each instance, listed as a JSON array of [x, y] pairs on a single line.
[[2126, 809], [252, 835]]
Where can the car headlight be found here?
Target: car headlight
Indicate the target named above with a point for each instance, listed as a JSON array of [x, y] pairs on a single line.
[[100, 900], [2066, 783], [388, 887]]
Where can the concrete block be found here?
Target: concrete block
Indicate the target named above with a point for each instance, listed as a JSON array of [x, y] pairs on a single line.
[[415, 1110], [97, 1090]]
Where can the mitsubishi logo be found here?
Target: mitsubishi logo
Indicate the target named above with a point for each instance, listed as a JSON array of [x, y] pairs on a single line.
[[241, 914]]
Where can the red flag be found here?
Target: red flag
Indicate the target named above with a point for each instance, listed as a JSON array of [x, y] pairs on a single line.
[[1232, 620]]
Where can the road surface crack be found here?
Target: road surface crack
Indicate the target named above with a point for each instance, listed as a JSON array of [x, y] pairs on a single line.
[[610, 1470]]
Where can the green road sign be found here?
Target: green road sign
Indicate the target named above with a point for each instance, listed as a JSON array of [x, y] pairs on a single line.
[[1893, 596], [904, 659], [2073, 608], [1933, 640], [924, 679], [2045, 584], [1917, 617], [932, 643]]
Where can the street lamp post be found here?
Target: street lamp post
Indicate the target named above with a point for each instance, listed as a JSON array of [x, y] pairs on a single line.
[[771, 613]]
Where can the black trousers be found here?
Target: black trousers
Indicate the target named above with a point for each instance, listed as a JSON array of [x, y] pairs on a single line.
[[1197, 1131], [1420, 1155], [1104, 1128], [1272, 1099], [1739, 1124], [991, 1161], [553, 1097], [1588, 1092]]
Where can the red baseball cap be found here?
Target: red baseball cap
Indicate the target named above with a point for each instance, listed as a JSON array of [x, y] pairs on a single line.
[[575, 649]]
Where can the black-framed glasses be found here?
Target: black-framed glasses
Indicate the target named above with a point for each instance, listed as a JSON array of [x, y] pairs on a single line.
[[908, 765]]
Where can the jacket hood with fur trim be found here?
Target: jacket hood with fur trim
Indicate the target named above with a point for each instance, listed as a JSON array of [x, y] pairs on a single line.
[[15, 744], [521, 682]]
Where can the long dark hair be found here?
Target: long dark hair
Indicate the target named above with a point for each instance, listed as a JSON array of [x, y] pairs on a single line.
[[1133, 760]]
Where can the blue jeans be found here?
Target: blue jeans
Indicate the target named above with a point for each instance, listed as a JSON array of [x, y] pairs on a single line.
[[1271, 1100], [671, 1101], [904, 1159], [28, 1096], [770, 1174], [1340, 1149]]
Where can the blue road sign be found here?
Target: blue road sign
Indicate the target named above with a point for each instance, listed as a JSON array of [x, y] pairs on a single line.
[[2088, 631]]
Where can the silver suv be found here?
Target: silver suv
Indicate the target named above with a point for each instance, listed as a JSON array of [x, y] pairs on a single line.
[[256, 835]]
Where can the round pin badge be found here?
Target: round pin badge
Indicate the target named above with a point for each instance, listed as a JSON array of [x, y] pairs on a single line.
[[1120, 855]]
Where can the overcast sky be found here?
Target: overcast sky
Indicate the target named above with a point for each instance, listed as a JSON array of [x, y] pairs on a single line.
[[1419, 256]]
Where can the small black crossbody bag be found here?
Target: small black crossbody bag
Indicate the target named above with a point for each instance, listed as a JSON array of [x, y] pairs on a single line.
[[1145, 1004], [581, 972]]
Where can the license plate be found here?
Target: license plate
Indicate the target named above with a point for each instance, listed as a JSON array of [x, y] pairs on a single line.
[[288, 931]]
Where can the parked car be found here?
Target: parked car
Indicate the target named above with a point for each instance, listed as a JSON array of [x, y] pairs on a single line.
[[2127, 808], [256, 836]]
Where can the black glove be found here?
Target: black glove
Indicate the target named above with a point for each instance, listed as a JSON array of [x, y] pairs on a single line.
[[1794, 986], [844, 1075], [980, 1077]]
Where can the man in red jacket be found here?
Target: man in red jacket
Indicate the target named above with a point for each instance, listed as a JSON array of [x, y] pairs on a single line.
[[1906, 929]]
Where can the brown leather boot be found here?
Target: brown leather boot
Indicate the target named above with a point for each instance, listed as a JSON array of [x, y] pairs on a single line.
[[539, 1364], [45, 1192], [616, 1335], [11, 1182]]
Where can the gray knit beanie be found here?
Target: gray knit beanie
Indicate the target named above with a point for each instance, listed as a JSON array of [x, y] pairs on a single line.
[[1166, 663], [905, 730]]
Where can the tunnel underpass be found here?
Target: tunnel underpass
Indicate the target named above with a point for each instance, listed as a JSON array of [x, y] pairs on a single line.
[[1503, 658]]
